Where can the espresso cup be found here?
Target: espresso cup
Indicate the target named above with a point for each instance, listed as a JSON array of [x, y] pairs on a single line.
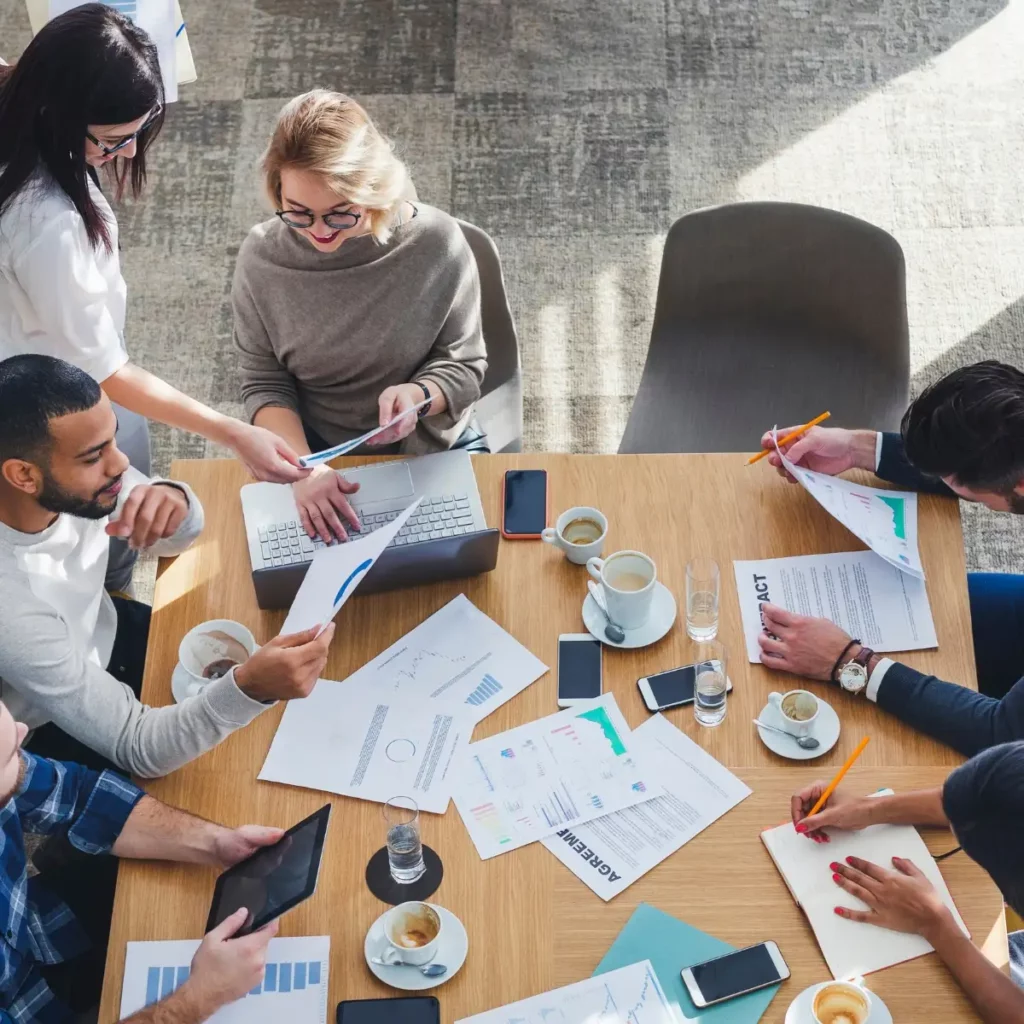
[[627, 581], [798, 708], [841, 1002], [579, 532], [211, 649], [413, 930]]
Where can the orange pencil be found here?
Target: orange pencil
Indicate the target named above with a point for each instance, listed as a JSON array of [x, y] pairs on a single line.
[[831, 787], [790, 437]]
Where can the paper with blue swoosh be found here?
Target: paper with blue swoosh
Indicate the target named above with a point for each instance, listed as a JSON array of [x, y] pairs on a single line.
[[334, 574]]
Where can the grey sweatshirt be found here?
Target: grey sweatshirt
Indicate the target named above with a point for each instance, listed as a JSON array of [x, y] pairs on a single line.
[[324, 334], [58, 626]]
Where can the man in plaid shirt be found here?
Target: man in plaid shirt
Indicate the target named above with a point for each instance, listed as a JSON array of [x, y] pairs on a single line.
[[104, 813]]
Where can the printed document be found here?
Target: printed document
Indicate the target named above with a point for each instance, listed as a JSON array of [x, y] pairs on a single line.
[[630, 995], [563, 770], [348, 740], [457, 655], [293, 986], [885, 520], [347, 446], [612, 852], [335, 572], [861, 593]]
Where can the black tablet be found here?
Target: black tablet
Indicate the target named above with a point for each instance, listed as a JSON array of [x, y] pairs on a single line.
[[275, 878], [403, 1010]]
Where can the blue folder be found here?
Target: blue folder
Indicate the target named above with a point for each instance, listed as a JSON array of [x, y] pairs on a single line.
[[671, 945]]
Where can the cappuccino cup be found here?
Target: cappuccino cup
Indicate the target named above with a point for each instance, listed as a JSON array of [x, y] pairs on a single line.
[[413, 930], [841, 1002], [798, 708], [627, 581], [212, 649], [580, 532]]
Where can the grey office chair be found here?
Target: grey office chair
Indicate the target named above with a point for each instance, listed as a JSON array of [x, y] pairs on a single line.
[[770, 313], [500, 407]]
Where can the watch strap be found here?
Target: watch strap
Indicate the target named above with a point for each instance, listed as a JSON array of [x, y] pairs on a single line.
[[863, 656], [425, 411], [833, 675]]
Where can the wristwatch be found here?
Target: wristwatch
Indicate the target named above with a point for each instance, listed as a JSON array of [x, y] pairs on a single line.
[[853, 676], [425, 411]]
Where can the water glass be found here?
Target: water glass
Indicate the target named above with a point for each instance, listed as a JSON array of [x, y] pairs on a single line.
[[405, 848], [711, 684], [703, 584]]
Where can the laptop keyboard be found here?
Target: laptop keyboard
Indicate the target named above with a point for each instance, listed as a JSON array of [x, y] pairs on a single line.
[[447, 516]]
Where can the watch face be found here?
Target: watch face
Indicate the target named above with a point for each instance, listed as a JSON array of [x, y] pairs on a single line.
[[853, 677]]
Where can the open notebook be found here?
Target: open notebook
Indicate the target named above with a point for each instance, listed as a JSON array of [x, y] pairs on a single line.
[[849, 947]]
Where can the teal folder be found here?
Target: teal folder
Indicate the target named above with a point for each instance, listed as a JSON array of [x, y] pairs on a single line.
[[671, 945]]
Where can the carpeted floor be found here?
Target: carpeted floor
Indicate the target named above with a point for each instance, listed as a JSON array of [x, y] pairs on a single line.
[[575, 131]]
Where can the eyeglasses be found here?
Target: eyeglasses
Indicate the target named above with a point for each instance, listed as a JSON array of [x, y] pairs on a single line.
[[128, 139], [334, 220]]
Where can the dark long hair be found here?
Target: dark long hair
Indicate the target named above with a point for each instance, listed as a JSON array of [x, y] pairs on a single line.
[[88, 66]]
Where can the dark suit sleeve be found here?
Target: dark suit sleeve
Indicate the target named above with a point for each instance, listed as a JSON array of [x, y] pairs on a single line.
[[894, 467], [967, 721]]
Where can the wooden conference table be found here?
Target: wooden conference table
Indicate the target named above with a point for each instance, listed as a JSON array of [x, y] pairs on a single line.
[[532, 924]]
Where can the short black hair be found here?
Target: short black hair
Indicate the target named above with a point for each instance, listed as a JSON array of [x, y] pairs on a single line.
[[35, 389], [970, 426]]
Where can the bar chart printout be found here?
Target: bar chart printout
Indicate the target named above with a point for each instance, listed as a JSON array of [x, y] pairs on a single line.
[[630, 995], [293, 987]]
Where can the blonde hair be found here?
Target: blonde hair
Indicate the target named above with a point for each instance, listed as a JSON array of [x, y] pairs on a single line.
[[330, 134]]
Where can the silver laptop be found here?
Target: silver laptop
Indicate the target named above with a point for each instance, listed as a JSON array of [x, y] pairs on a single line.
[[446, 537]]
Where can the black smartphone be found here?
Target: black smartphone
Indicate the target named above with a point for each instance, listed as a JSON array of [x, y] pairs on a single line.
[[525, 503], [402, 1010], [664, 690], [735, 974], [579, 669]]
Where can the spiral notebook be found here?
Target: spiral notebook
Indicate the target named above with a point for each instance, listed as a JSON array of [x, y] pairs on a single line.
[[851, 948]]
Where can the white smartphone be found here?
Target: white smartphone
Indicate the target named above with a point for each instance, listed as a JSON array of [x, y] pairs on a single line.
[[579, 669], [735, 974], [665, 690]]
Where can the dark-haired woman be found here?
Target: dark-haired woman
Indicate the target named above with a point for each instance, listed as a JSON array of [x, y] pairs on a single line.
[[86, 96]]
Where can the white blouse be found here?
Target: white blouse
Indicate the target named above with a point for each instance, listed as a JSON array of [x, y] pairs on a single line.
[[60, 296]]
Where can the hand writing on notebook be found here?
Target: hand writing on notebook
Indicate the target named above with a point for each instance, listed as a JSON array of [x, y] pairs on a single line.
[[828, 450], [842, 811], [322, 499], [901, 899]]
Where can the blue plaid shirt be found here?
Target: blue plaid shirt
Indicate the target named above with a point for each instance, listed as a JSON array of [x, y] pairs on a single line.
[[37, 928]]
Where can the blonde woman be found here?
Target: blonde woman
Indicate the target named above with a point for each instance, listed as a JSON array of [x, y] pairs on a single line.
[[353, 304]]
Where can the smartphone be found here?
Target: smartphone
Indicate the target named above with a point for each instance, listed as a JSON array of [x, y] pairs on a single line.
[[665, 690], [525, 503], [735, 974], [579, 668], [403, 1010]]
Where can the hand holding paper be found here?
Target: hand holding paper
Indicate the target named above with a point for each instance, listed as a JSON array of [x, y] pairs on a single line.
[[347, 446]]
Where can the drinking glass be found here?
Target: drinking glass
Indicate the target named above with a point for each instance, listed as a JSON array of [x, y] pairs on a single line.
[[405, 848], [710, 684], [702, 590]]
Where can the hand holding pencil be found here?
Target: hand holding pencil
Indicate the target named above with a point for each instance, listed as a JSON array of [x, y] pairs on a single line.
[[828, 450]]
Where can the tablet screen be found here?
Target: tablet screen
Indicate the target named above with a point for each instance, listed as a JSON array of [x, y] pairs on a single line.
[[404, 1010], [275, 878]]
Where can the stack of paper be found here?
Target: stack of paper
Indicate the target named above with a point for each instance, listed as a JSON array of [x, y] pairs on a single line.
[[851, 948]]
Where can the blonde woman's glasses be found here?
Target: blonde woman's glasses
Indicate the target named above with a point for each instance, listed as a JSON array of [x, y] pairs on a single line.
[[335, 221]]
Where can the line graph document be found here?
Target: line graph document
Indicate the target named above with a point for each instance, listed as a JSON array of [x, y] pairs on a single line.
[[347, 740], [630, 995], [885, 520], [522, 785], [457, 655]]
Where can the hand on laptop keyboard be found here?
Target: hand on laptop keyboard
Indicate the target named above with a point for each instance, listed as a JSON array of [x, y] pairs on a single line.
[[322, 499]]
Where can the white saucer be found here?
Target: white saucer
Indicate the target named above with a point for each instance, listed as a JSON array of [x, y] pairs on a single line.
[[451, 951], [180, 680], [661, 620], [799, 1011], [826, 732]]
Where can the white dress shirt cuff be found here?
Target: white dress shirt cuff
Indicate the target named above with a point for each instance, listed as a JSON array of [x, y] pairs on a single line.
[[875, 680], [878, 450]]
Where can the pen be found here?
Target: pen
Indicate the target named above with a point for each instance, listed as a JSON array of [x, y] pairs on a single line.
[[831, 787], [792, 436]]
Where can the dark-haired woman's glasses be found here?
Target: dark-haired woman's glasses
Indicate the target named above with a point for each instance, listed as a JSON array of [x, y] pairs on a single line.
[[335, 221], [128, 139]]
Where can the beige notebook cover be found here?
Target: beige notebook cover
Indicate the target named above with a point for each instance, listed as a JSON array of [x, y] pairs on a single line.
[[850, 948]]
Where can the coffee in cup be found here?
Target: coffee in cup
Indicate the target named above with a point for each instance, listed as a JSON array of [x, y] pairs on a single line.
[[413, 929], [212, 649], [840, 1002], [583, 531], [628, 580], [579, 532], [796, 707], [798, 710]]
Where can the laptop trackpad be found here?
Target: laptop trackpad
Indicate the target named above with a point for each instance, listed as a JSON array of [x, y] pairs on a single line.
[[387, 482]]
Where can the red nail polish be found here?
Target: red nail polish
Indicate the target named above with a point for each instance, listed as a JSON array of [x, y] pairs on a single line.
[[834, 866], [835, 878], [849, 860], [801, 828], [838, 910]]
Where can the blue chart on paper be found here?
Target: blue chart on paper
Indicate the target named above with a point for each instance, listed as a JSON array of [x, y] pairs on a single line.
[[279, 977], [488, 687], [129, 8]]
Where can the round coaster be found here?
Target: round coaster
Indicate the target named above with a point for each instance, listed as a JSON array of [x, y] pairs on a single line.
[[385, 888]]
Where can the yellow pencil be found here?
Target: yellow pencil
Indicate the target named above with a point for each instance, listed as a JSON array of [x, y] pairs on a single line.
[[831, 787], [790, 437]]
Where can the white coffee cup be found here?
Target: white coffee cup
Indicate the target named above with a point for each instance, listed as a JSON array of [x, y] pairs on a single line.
[[836, 1001], [562, 534], [804, 703], [405, 924], [202, 649], [627, 581]]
